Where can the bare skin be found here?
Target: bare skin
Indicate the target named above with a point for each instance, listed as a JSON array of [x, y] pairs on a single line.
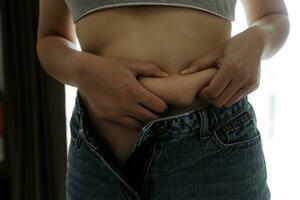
[[168, 88]]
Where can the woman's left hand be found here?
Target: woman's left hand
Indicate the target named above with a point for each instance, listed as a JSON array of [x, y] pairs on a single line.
[[238, 64]]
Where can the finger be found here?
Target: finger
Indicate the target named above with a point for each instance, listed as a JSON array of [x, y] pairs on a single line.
[[150, 100], [148, 69], [131, 123], [143, 114], [228, 92], [208, 60], [237, 96], [216, 86]]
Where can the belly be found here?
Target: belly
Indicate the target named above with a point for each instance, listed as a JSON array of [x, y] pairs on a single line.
[[171, 37], [168, 36]]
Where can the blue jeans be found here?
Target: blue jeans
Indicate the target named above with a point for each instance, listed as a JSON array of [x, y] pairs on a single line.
[[208, 153]]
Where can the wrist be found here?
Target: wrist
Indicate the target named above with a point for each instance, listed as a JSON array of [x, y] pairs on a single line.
[[81, 61], [260, 38]]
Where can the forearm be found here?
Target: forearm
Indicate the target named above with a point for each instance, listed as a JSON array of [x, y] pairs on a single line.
[[60, 59], [272, 30]]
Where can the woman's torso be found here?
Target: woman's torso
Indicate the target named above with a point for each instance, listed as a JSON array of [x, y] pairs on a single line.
[[171, 37]]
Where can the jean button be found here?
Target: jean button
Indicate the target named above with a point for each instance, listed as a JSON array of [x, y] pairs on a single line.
[[159, 131]]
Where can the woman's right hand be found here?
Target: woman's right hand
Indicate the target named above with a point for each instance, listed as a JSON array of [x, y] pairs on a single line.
[[110, 90]]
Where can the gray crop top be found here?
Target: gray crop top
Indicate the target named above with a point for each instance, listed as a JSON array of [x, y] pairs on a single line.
[[222, 8]]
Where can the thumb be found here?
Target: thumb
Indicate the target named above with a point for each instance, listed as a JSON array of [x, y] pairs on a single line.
[[148, 69], [203, 62]]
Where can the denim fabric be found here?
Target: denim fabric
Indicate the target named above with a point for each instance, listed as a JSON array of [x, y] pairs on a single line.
[[208, 153]]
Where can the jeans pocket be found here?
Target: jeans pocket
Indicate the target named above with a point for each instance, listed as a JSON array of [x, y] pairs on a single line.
[[238, 130]]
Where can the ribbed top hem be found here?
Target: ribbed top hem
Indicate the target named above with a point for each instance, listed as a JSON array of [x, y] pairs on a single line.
[[221, 8]]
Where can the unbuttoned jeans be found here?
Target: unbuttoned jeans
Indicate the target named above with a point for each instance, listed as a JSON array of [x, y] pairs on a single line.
[[208, 153]]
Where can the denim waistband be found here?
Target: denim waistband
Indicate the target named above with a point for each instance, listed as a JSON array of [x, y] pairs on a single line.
[[201, 119]]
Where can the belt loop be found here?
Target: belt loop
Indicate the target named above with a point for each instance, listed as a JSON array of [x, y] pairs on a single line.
[[203, 122], [204, 126], [79, 139]]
